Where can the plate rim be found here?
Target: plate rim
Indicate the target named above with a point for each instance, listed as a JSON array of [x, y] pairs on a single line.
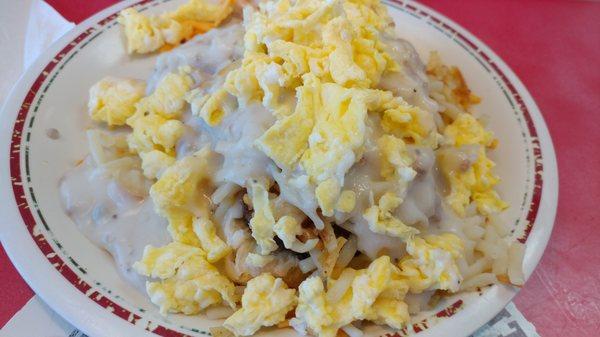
[[93, 319]]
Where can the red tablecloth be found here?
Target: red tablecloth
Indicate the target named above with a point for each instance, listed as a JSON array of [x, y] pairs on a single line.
[[554, 47]]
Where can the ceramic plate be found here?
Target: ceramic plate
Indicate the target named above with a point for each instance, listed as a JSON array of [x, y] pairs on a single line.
[[80, 281]]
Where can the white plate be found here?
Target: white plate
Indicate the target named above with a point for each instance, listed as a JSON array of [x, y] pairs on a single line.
[[80, 282]]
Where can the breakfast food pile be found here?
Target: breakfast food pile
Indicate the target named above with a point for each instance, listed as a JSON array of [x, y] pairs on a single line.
[[292, 164]]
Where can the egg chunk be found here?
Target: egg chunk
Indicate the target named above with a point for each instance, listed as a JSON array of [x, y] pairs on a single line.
[[149, 33], [141, 33], [261, 78], [153, 132], [288, 229], [382, 221], [188, 283], [408, 122], [471, 180], [181, 226], [332, 41], [327, 194], [432, 263], [210, 107], [214, 246], [168, 98], [155, 162], [182, 185], [475, 184], [339, 133], [346, 202], [396, 162], [112, 100], [374, 294], [314, 314], [155, 123], [211, 11], [465, 129], [294, 129], [201, 232], [378, 293], [265, 302], [262, 221]]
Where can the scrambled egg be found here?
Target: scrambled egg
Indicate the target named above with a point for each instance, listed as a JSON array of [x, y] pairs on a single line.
[[408, 122], [327, 194], [346, 202], [375, 294], [307, 36], [476, 181], [313, 313], [325, 135], [338, 134], [153, 132], [177, 188], [142, 34], [176, 196], [155, 162], [382, 221], [295, 128], [244, 82], [265, 302], [212, 108], [155, 125], [145, 34], [188, 283], [287, 229], [262, 221], [432, 263], [395, 160], [214, 246], [467, 130], [168, 98], [112, 100], [213, 12], [181, 227]]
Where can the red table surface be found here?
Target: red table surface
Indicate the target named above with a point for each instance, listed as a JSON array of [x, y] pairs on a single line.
[[554, 47]]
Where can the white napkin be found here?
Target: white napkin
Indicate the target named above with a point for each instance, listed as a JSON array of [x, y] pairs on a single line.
[[45, 26], [27, 28]]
